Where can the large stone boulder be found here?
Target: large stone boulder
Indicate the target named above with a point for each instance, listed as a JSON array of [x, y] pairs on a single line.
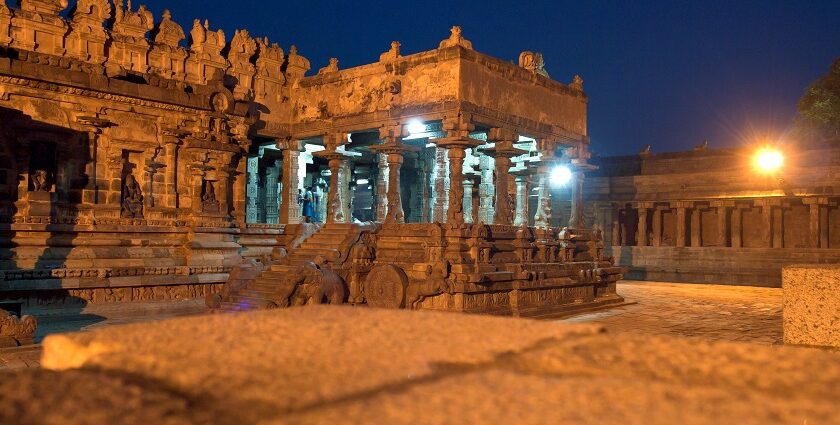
[[351, 365]]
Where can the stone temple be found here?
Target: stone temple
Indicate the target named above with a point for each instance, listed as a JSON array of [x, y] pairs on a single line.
[[141, 160]]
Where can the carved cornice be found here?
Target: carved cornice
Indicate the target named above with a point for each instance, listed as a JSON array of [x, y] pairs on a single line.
[[59, 88]]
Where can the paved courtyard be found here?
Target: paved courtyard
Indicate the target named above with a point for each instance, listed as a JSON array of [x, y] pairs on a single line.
[[711, 312]]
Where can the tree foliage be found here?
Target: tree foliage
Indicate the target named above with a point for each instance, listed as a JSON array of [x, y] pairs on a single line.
[[819, 107]]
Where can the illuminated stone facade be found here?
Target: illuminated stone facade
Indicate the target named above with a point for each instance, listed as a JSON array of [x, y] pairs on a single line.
[[141, 161]]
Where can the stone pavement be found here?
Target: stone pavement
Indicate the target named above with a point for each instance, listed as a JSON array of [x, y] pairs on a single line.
[[711, 312], [338, 364]]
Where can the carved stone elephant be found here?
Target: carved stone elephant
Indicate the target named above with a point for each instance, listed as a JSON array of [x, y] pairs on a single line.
[[311, 284]]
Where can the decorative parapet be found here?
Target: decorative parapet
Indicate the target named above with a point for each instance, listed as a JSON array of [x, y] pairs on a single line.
[[38, 28], [5, 21], [240, 74], [129, 46], [167, 56]]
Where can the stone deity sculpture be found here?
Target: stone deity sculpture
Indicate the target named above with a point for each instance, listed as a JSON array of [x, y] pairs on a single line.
[[208, 197], [40, 181], [132, 204]]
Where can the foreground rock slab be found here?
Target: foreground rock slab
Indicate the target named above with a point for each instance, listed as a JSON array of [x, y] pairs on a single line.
[[331, 364]]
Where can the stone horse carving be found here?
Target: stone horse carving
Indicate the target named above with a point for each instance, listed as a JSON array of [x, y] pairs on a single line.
[[435, 284], [311, 284]]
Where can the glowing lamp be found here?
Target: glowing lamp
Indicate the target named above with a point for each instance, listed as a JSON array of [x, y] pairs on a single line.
[[768, 160], [561, 176], [416, 126]]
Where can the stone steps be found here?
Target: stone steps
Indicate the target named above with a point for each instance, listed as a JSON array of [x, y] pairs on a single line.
[[260, 291]]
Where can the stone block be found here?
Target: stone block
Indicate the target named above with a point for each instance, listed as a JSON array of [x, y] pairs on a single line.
[[811, 308]]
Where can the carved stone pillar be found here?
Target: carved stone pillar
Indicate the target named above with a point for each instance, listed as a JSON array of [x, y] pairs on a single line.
[[779, 226], [818, 221], [252, 189], [440, 185], [697, 225], [616, 225], [149, 170], [223, 186], [723, 222], [680, 236], [272, 175], [503, 151], [424, 192], [642, 232], [736, 235], [486, 190], [522, 192], [457, 142], [542, 217], [656, 222], [577, 218], [381, 187], [289, 211], [394, 151], [766, 222], [813, 221], [170, 173], [335, 214], [345, 175], [824, 223], [94, 126], [468, 195], [395, 213]]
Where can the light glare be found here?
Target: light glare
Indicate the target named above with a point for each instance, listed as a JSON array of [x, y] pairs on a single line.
[[416, 126], [561, 176], [768, 160]]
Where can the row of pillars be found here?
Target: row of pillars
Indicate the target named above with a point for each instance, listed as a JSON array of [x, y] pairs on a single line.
[[729, 220], [392, 152]]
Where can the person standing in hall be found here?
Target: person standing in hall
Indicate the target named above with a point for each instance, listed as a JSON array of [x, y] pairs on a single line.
[[309, 203]]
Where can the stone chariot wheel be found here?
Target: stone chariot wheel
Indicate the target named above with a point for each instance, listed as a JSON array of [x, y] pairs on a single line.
[[385, 286]]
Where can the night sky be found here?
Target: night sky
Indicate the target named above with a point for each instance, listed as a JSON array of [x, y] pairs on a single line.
[[665, 73]]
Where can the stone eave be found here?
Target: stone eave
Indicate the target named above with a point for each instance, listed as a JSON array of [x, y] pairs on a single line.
[[431, 112]]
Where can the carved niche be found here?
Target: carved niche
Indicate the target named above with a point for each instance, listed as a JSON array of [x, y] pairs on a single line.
[[42, 167], [209, 203], [132, 198]]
